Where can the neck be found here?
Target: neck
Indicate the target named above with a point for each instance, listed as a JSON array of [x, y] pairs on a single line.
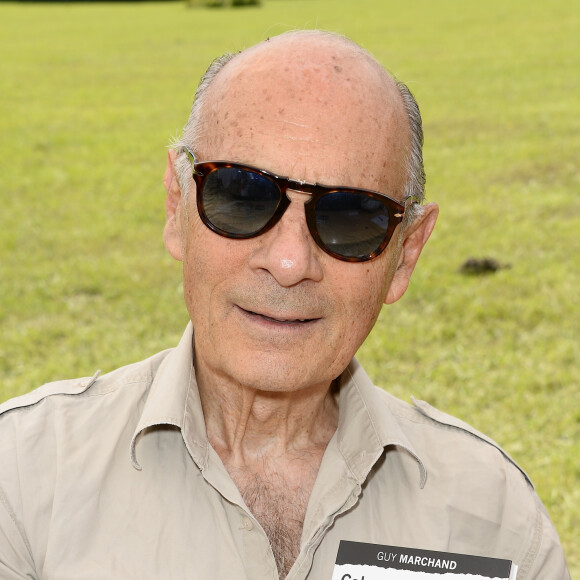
[[245, 424], [271, 444]]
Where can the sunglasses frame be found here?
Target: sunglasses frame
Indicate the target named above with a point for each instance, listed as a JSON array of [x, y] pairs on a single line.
[[201, 170]]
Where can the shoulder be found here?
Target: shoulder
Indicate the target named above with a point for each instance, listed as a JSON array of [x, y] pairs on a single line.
[[437, 440], [58, 443], [431, 428], [479, 488], [44, 433]]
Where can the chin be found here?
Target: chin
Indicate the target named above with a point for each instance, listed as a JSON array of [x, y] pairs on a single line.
[[270, 374]]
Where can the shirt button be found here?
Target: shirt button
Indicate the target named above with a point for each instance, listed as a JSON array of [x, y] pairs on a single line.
[[248, 524]]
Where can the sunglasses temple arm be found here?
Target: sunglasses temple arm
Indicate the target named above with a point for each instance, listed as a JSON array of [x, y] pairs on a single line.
[[191, 156]]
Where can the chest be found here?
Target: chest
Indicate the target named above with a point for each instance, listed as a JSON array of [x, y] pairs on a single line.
[[172, 520], [279, 503]]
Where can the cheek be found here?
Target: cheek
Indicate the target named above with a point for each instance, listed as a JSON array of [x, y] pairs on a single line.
[[211, 266], [362, 298], [371, 287], [201, 266]]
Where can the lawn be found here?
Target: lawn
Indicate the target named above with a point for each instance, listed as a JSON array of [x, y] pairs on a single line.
[[90, 94]]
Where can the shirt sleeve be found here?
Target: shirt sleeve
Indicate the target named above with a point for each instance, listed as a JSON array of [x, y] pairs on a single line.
[[16, 562], [546, 558]]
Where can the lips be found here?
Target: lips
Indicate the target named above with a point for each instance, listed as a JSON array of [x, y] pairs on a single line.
[[278, 319], [283, 320]]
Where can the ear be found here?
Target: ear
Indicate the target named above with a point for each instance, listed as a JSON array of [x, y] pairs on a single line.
[[173, 202], [416, 237]]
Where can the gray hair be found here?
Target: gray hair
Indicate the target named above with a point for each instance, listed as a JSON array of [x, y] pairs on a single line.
[[192, 134], [414, 187], [415, 183]]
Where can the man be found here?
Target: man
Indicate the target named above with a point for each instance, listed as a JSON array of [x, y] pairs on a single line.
[[256, 445]]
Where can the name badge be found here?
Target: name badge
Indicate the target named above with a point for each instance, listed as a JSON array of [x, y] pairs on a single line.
[[361, 561]]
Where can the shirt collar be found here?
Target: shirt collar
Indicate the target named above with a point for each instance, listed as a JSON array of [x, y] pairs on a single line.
[[369, 419], [173, 399]]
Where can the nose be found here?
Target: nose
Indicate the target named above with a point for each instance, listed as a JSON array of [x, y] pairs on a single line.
[[287, 251]]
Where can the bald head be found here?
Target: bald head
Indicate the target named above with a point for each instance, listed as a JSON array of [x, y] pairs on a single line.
[[306, 95]]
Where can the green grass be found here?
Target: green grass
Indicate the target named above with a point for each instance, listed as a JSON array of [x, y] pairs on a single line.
[[91, 93]]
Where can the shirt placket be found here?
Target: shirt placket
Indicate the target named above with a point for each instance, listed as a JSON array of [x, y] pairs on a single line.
[[336, 493], [249, 535], [301, 569], [259, 558]]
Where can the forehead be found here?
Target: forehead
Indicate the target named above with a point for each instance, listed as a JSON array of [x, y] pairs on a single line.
[[311, 108]]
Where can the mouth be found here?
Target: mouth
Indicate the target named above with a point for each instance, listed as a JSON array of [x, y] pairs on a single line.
[[282, 320]]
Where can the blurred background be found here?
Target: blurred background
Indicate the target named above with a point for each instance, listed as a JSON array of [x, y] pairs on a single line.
[[90, 94]]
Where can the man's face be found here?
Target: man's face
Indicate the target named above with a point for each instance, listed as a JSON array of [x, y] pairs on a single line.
[[275, 312]]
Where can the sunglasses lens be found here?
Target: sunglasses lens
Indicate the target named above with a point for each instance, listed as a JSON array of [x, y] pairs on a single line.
[[351, 224], [238, 201]]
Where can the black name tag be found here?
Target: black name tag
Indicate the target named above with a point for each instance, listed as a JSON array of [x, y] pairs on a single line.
[[360, 561]]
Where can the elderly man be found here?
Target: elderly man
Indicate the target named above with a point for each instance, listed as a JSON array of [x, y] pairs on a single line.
[[258, 444]]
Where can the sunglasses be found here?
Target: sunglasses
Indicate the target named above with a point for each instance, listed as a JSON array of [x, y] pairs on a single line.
[[241, 202]]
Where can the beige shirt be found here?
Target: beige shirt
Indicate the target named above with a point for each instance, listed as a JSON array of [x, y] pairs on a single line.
[[114, 478]]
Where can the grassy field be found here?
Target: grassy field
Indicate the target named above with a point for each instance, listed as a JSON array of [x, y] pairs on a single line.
[[90, 94]]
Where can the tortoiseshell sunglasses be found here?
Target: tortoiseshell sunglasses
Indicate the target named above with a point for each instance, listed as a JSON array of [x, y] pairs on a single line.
[[241, 202]]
